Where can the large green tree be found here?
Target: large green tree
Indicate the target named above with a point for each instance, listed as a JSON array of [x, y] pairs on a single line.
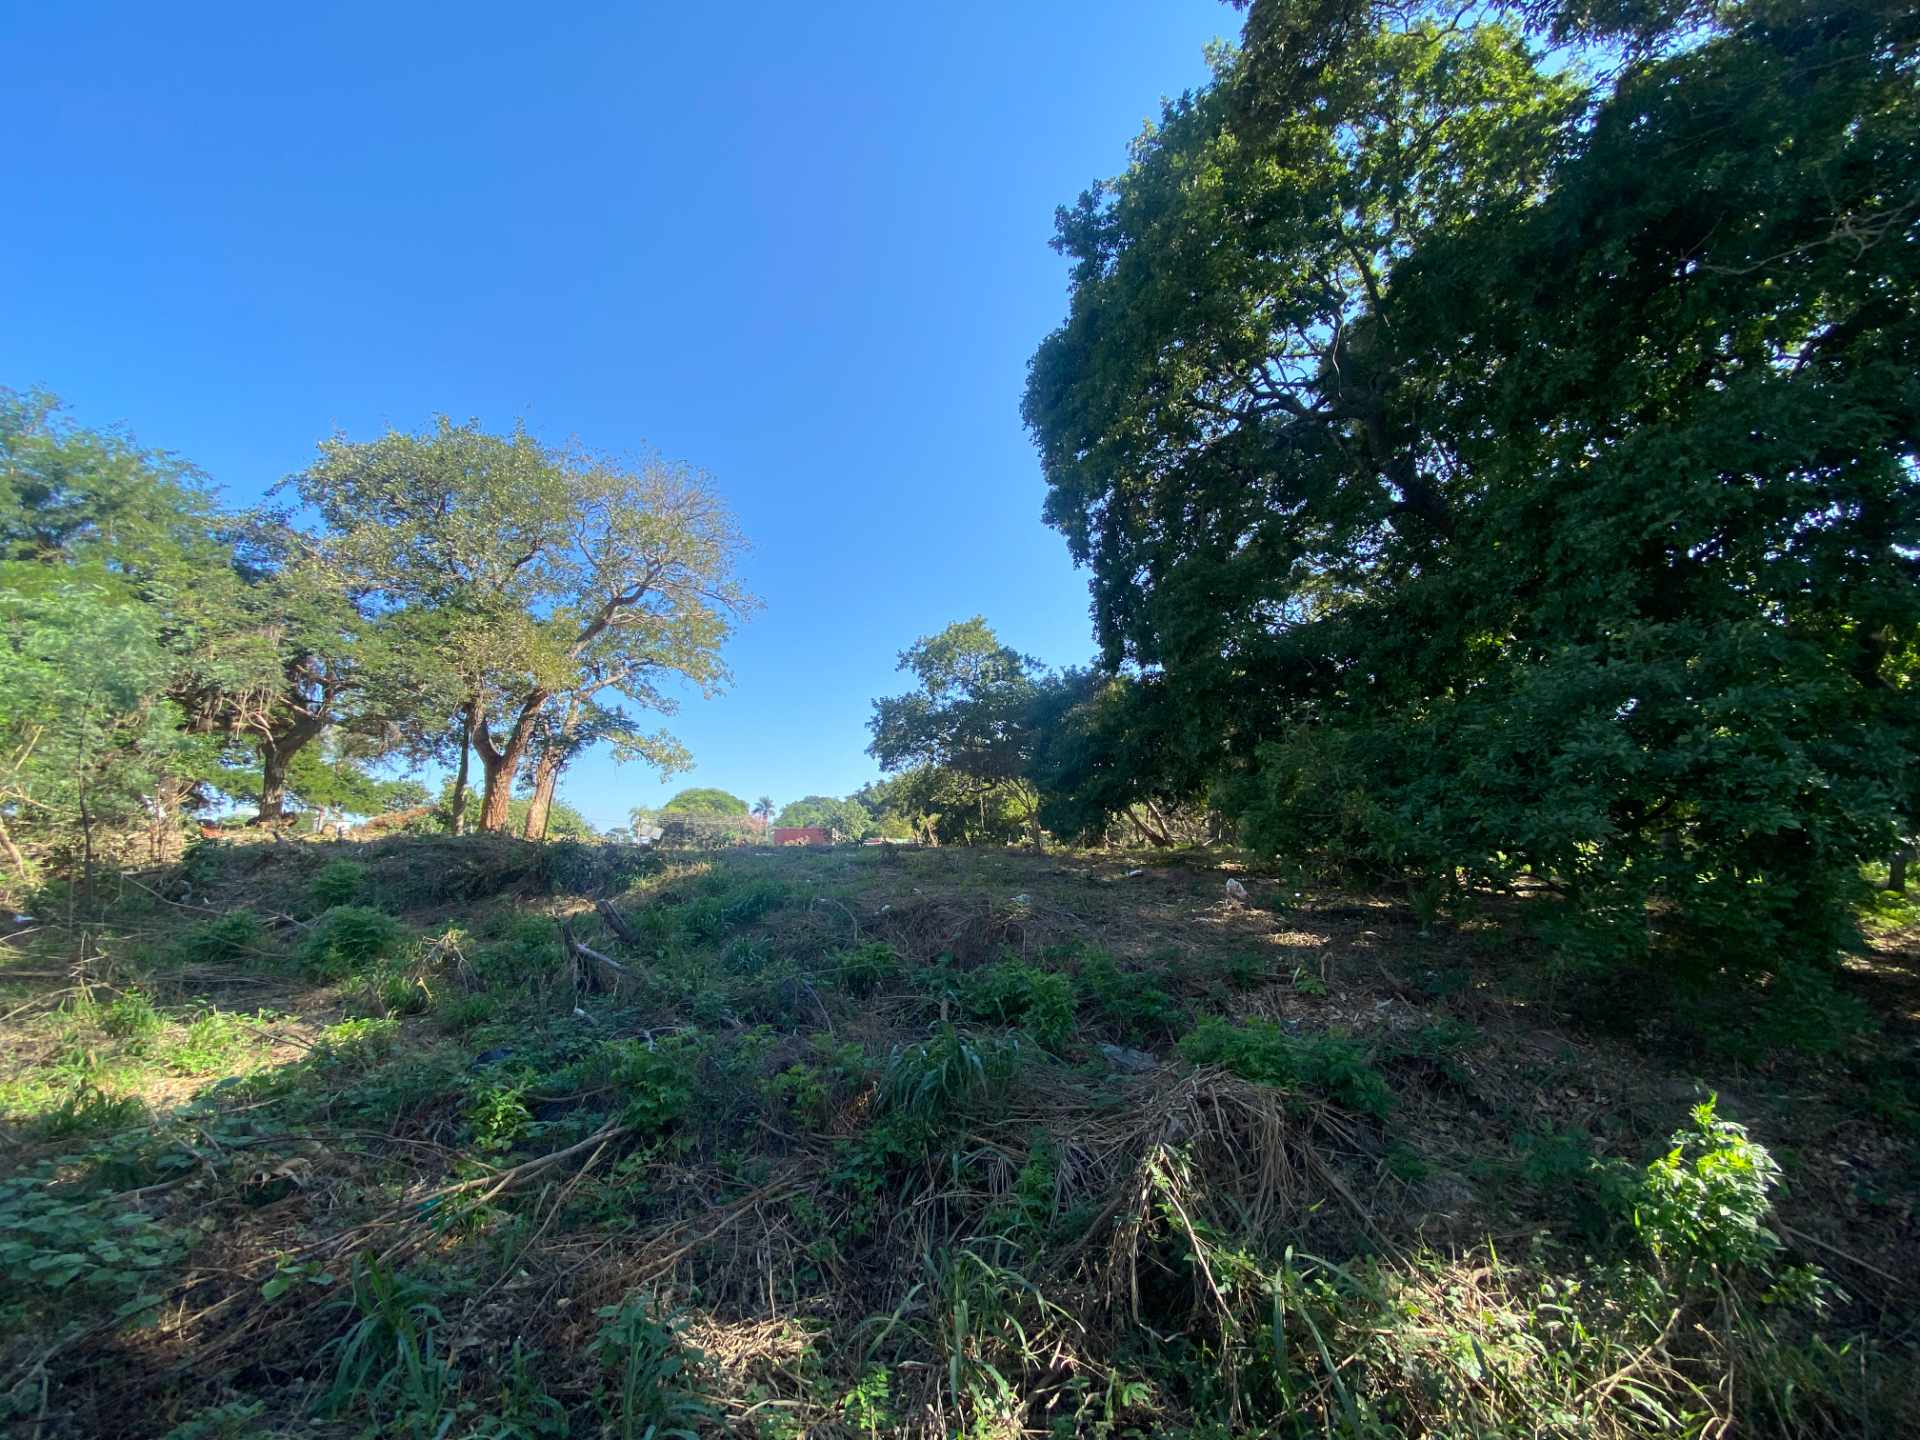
[[845, 819], [109, 555], [971, 718], [554, 572], [704, 800], [1503, 462]]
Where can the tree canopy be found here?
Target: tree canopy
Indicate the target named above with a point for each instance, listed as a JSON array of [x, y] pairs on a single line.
[[704, 801], [553, 577], [1494, 463], [970, 719], [442, 591]]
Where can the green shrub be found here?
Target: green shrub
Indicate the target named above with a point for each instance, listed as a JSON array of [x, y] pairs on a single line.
[[497, 1114], [462, 1010], [525, 949], [1705, 1202], [131, 1017], [654, 1084], [866, 967], [1260, 1050], [1012, 992], [339, 882], [1128, 1001], [214, 941], [349, 938]]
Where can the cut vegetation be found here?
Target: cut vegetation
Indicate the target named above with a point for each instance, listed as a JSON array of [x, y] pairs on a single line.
[[863, 1142]]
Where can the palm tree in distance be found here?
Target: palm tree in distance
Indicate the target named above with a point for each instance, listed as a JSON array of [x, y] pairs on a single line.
[[763, 807]]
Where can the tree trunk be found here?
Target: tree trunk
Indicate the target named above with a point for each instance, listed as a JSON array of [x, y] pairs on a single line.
[[1897, 869], [457, 821], [273, 784], [546, 774], [276, 754], [501, 763], [496, 790]]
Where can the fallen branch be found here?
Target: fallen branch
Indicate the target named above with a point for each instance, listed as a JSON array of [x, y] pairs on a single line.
[[421, 1206], [616, 922], [587, 952], [576, 949]]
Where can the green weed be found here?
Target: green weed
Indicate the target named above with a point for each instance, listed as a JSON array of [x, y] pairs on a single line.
[[89, 1111], [864, 968], [1704, 1204], [131, 1017], [215, 942], [649, 1374], [339, 882], [211, 1042], [1128, 1001], [1260, 1050], [1012, 992], [388, 1363], [939, 1079], [349, 938]]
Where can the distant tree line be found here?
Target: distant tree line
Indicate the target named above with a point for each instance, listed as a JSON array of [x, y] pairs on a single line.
[[450, 596]]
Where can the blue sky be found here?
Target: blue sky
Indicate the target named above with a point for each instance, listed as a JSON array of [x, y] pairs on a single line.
[[803, 247]]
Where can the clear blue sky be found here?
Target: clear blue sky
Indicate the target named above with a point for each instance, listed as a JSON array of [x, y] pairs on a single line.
[[803, 246]]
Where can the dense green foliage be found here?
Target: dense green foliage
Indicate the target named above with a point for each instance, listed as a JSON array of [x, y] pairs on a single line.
[[970, 723], [705, 802], [1489, 462], [461, 592], [847, 818]]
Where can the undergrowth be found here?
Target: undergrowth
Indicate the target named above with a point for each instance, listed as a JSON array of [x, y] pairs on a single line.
[[850, 1145]]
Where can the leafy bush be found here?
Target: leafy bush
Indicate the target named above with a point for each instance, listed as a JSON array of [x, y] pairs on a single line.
[[1128, 1001], [1012, 992], [348, 938], [655, 1084], [339, 882], [526, 951], [1705, 1202], [497, 1114], [462, 1010], [1260, 1050], [214, 941], [811, 1090], [866, 967]]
